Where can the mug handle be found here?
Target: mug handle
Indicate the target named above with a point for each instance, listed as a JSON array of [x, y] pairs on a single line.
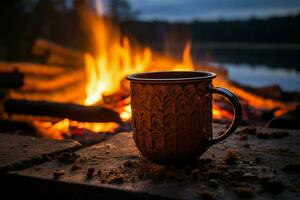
[[237, 110]]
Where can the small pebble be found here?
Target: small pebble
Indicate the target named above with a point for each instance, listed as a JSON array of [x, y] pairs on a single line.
[[213, 183], [206, 195], [258, 160], [249, 176], [215, 174], [244, 192], [195, 171], [67, 157], [243, 137], [90, 172], [128, 163], [75, 167], [83, 160], [58, 173], [249, 130], [231, 157], [116, 179]]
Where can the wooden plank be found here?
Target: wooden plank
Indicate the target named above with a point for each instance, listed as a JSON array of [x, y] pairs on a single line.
[[18, 152], [265, 167]]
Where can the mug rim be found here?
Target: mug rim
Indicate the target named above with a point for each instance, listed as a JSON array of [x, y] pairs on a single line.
[[171, 76]]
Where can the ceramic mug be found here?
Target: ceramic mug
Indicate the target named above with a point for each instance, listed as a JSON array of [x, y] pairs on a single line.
[[172, 114]]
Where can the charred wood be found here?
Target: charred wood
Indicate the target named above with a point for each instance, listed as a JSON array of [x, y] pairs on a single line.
[[61, 110], [30, 68], [255, 100], [31, 76], [68, 62], [57, 54], [69, 93], [49, 83], [10, 80]]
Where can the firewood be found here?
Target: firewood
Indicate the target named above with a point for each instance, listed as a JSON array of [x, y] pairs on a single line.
[[56, 59], [49, 83], [30, 68], [11, 80], [61, 110], [40, 83], [56, 54], [254, 99], [69, 93]]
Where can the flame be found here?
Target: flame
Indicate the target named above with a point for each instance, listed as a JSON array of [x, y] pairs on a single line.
[[106, 71], [186, 57], [219, 113], [115, 57]]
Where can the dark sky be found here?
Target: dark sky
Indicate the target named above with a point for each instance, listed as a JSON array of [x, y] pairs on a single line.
[[186, 10]]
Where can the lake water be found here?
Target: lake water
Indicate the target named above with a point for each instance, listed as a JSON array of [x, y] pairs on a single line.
[[256, 67], [262, 75]]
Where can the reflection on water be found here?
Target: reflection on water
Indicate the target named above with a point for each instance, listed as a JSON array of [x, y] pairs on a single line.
[[261, 75], [256, 67]]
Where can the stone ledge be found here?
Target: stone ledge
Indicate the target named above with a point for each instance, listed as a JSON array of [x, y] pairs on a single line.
[[260, 164], [19, 152]]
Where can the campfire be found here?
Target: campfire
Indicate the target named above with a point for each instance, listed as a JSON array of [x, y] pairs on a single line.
[[74, 94]]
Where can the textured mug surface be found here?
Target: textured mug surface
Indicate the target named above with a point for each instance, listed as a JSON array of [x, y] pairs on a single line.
[[172, 114]]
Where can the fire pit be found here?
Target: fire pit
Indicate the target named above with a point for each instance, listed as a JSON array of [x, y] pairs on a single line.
[[74, 93]]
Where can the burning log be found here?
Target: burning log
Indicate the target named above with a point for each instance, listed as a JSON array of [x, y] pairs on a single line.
[[69, 93], [254, 99], [48, 83], [61, 110], [54, 59], [57, 54], [40, 83], [30, 76], [30, 68]]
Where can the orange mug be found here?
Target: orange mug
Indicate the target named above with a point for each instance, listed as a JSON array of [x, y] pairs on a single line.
[[172, 114]]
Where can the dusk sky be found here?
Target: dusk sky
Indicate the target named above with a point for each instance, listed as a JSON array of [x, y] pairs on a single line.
[[187, 10]]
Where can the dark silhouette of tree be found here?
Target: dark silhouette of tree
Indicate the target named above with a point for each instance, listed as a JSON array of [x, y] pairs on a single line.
[[120, 10]]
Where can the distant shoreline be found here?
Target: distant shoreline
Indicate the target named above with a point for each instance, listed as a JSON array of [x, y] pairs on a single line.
[[237, 46]]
